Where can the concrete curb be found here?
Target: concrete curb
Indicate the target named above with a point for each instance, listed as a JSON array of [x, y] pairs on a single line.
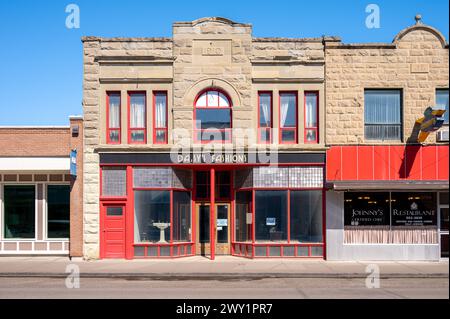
[[217, 276]]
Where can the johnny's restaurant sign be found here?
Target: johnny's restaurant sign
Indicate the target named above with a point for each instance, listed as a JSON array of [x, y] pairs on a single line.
[[413, 216], [401, 213]]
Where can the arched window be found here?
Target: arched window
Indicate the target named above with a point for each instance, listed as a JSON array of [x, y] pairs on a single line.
[[212, 116]]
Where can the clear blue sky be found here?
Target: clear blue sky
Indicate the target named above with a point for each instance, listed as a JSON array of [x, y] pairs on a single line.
[[41, 60]]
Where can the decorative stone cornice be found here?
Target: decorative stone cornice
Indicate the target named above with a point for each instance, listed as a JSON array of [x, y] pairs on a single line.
[[316, 40], [134, 80], [148, 59], [374, 45], [286, 60], [119, 39], [288, 80]]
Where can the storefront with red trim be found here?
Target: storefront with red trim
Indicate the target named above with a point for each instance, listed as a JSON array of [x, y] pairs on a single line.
[[163, 205], [387, 202]]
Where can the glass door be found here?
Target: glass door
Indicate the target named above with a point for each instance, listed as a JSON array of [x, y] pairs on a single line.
[[222, 229], [203, 230]]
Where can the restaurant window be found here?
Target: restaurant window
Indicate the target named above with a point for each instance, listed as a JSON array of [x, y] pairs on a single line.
[[19, 211], [243, 217], [271, 215], [390, 218], [137, 128], [382, 115], [113, 117], [58, 211], [212, 117], [152, 213], [311, 117], [366, 209], [265, 117], [306, 216], [442, 100], [288, 117], [181, 216], [160, 118], [414, 209]]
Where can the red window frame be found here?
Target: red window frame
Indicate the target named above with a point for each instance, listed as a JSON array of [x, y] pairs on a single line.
[[207, 107], [316, 128], [130, 130], [206, 185], [157, 129], [262, 129], [294, 129], [109, 129], [219, 183]]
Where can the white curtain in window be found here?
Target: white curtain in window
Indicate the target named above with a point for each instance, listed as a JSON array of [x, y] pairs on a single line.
[[284, 110], [311, 110], [137, 111], [160, 111], [264, 101], [372, 235], [382, 107], [114, 112]]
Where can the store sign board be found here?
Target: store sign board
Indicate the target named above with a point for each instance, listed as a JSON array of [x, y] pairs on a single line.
[[206, 158], [249, 218], [413, 214], [390, 209], [73, 163], [270, 221], [221, 157], [366, 209], [222, 222]]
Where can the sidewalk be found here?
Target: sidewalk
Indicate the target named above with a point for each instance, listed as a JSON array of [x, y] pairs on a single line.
[[222, 267]]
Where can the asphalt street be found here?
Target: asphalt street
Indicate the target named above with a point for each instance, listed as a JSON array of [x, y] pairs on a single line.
[[268, 288]]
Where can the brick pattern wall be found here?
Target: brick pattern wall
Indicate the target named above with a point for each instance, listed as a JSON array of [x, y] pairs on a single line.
[[34, 142], [76, 193], [417, 62]]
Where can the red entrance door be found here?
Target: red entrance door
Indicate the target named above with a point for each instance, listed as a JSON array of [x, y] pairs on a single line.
[[113, 231]]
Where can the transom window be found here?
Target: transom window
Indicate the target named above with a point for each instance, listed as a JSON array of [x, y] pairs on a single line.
[[212, 117]]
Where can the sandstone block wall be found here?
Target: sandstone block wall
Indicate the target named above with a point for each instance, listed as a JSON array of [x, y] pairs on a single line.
[[416, 62]]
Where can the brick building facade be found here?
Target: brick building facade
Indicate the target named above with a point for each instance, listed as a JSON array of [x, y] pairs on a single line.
[[41, 203]]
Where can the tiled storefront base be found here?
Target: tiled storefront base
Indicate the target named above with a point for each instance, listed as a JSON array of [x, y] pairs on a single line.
[[248, 250], [163, 250], [34, 248], [277, 250]]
